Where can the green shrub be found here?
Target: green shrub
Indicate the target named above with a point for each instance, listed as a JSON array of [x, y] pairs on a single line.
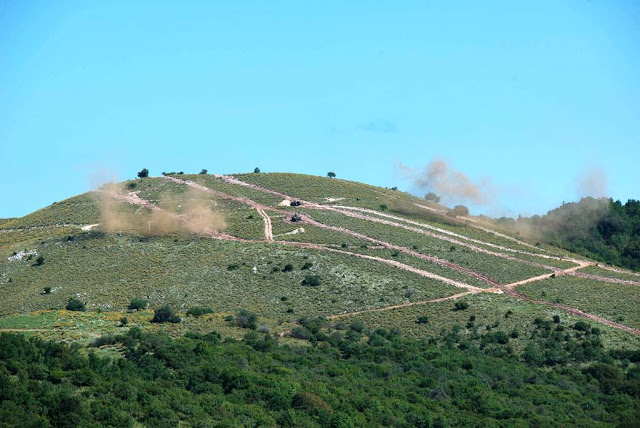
[[288, 268], [137, 304], [108, 339], [302, 333], [422, 320], [198, 311], [165, 314], [581, 326], [39, 260], [75, 305], [461, 306], [246, 319], [311, 280], [307, 265], [47, 290], [357, 326]]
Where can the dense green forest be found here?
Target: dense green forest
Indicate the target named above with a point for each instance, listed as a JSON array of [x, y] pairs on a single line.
[[341, 376], [603, 229]]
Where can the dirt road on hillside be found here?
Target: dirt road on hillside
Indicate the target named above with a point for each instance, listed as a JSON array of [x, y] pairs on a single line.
[[405, 250], [397, 264], [268, 228], [606, 279], [475, 224], [559, 272], [405, 305], [508, 289], [444, 238], [612, 269], [448, 232], [135, 199]]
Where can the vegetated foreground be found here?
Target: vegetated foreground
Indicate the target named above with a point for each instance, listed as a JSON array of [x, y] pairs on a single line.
[[350, 376], [290, 248]]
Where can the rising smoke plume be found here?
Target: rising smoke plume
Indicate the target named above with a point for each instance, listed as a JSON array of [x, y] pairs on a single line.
[[592, 182], [451, 185], [573, 219]]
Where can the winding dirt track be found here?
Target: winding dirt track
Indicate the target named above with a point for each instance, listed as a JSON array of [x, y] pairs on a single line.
[[397, 264], [606, 279], [445, 238], [497, 288], [405, 250], [575, 311], [268, 228], [510, 289], [473, 223], [612, 269], [405, 305], [568, 271], [136, 200], [445, 231]]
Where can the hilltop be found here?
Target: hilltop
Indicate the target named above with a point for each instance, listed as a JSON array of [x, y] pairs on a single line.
[[251, 240], [354, 304]]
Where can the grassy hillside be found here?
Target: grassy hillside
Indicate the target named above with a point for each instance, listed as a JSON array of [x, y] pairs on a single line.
[[355, 306], [370, 248]]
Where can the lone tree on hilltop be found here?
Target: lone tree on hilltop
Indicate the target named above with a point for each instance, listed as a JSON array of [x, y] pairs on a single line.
[[331, 174], [256, 170], [204, 171], [432, 197], [144, 173]]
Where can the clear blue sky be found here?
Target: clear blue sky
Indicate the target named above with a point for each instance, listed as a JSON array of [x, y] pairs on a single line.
[[529, 94]]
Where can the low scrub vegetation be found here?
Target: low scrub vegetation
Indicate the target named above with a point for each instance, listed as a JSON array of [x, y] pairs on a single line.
[[192, 380]]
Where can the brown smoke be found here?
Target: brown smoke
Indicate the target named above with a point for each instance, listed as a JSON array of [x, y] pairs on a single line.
[[199, 214], [191, 212], [592, 182], [113, 219], [573, 221], [452, 185]]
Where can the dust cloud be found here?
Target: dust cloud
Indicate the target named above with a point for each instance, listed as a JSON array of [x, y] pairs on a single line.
[[451, 185], [123, 210], [199, 215], [569, 219], [592, 182]]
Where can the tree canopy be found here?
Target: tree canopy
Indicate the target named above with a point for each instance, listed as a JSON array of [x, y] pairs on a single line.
[[347, 376]]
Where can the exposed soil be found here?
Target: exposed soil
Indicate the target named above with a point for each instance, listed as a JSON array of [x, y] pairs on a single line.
[[497, 288]]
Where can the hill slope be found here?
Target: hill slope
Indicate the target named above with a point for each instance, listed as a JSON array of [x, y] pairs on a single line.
[[345, 250]]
